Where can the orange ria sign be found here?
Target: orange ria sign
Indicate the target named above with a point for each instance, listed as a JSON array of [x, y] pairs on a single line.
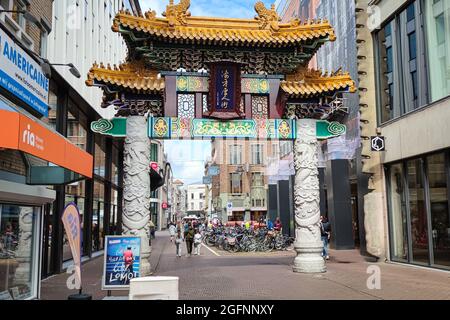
[[22, 133]]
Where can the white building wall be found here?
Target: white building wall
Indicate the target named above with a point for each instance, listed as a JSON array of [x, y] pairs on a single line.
[[194, 197], [82, 35]]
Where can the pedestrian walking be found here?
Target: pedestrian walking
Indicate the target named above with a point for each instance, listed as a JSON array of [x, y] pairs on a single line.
[[197, 243], [186, 229], [172, 231], [325, 235], [189, 240], [178, 241]]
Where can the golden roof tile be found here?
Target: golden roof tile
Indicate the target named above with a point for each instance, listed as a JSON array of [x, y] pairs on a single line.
[[132, 75], [305, 83], [264, 30]]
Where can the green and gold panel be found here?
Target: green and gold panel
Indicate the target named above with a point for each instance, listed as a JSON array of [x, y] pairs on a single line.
[[201, 84], [178, 128], [255, 86], [192, 84]]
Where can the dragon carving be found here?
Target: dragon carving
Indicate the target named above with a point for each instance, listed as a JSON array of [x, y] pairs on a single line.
[[177, 13], [267, 17]]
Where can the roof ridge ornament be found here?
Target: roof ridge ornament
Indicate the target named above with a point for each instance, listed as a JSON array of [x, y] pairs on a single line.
[[267, 17], [177, 13]]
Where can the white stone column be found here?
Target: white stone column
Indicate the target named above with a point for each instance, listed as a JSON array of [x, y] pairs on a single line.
[[136, 186], [308, 243], [23, 255]]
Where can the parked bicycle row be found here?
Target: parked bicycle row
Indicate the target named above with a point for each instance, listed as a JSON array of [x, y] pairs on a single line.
[[241, 239]]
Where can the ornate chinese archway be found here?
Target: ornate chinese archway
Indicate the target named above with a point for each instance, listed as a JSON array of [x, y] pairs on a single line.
[[188, 77]]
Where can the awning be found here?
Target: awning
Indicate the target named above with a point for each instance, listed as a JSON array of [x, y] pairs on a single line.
[[32, 136]]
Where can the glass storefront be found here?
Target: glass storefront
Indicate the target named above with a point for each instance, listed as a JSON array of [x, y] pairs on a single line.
[[399, 239], [419, 215], [18, 251], [440, 220], [98, 216]]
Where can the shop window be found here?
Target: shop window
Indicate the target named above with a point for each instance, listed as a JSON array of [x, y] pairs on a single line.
[[440, 222], [419, 223], [437, 14], [18, 245], [398, 214], [75, 192], [97, 216]]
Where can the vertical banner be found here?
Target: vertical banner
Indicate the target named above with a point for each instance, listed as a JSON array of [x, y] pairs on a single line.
[[225, 90], [122, 261], [71, 222]]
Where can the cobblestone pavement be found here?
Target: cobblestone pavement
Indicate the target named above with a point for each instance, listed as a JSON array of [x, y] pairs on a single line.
[[218, 275]]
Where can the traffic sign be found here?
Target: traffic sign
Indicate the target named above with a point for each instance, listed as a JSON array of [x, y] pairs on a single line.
[[230, 209], [378, 143], [207, 180], [213, 171]]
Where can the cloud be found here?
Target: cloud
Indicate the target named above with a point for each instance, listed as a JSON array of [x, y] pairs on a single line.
[[211, 8]]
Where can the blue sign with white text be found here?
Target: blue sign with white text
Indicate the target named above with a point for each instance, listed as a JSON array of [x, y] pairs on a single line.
[[22, 75]]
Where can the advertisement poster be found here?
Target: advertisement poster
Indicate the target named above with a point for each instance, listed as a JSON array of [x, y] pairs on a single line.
[[122, 261], [22, 76], [71, 222]]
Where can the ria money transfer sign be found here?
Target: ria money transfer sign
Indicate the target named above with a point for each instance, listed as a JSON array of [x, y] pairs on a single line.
[[122, 261], [21, 75]]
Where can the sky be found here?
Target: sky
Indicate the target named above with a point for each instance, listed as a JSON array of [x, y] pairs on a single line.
[[187, 158], [210, 8]]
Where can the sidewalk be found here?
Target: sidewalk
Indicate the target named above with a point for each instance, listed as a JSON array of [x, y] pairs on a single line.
[[54, 288], [258, 276]]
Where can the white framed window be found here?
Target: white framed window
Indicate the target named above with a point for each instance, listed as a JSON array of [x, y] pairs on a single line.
[[257, 154], [235, 154]]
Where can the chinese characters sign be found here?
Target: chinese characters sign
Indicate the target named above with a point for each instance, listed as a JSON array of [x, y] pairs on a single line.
[[225, 90]]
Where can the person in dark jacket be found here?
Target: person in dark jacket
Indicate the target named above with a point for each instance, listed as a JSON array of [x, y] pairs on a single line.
[[325, 232], [189, 240]]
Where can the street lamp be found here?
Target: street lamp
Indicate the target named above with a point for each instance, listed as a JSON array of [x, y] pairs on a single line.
[[73, 70], [45, 64], [28, 16]]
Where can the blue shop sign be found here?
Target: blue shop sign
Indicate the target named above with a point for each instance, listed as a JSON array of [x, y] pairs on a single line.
[[22, 75]]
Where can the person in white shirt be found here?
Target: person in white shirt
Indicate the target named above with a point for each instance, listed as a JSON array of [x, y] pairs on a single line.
[[197, 242], [172, 231], [178, 241]]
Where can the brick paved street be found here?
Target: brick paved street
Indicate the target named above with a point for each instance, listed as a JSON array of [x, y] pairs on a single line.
[[270, 276]]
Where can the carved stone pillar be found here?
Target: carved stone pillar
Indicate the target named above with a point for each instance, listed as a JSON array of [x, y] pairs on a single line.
[[136, 186], [308, 243], [22, 274]]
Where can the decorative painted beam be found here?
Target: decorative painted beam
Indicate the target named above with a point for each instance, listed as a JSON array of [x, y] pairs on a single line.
[[179, 128]]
